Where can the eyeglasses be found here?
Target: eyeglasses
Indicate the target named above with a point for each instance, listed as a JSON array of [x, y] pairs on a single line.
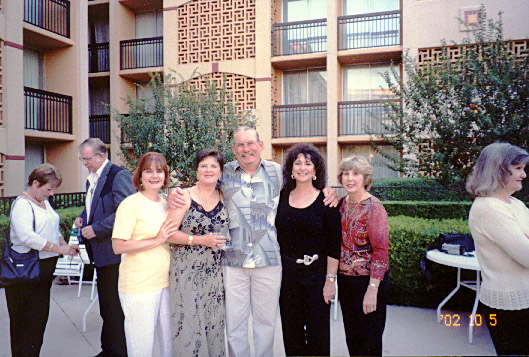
[[86, 159]]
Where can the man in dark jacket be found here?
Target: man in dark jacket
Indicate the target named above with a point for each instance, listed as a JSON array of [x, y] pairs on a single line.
[[106, 187]]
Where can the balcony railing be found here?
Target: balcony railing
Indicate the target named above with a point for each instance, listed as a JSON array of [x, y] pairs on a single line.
[[51, 15], [379, 29], [100, 127], [299, 120], [293, 38], [141, 53], [47, 111], [98, 57], [356, 117]]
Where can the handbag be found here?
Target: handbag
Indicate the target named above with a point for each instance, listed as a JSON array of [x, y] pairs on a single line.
[[19, 268]]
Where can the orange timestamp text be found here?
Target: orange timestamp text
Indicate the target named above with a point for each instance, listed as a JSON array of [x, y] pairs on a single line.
[[454, 320]]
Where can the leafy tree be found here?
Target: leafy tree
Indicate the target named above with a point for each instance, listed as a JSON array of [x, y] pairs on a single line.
[[179, 121], [453, 109]]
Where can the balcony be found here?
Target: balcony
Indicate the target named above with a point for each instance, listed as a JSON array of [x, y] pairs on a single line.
[[301, 37], [355, 117], [381, 29], [100, 127], [299, 120], [98, 57], [141, 53], [51, 15], [47, 111]]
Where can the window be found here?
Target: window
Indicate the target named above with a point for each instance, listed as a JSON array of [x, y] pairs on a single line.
[[357, 7], [375, 159], [364, 82], [33, 157], [305, 86], [149, 24], [302, 10], [33, 62]]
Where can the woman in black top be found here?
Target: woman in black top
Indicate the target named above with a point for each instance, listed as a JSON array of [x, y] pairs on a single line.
[[309, 236]]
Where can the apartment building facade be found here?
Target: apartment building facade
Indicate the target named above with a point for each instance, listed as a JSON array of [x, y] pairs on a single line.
[[309, 70]]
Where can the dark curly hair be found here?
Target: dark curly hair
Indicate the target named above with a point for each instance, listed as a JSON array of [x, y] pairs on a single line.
[[310, 152]]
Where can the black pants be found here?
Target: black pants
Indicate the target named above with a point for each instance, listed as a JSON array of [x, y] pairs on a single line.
[[509, 330], [363, 333], [113, 341], [305, 317], [28, 306]]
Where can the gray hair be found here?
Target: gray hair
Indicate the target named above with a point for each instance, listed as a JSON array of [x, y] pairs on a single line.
[[98, 146], [360, 165], [492, 170], [245, 128]]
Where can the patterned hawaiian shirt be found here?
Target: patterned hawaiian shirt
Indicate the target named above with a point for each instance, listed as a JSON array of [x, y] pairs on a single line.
[[252, 202]]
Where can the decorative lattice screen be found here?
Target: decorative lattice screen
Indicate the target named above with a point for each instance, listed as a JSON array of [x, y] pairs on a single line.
[[432, 55], [241, 88], [216, 30]]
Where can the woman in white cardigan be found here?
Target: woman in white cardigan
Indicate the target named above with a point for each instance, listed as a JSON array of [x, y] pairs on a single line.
[[499, 225], [35, 225]]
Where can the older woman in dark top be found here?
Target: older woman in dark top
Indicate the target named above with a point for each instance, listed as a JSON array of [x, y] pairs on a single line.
[[309, 237], [363, 277]]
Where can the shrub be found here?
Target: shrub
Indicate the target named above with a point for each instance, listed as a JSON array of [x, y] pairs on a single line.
[[431, 210], [410, 238]]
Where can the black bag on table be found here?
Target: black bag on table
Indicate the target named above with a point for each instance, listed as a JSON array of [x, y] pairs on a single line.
[[457, 244]]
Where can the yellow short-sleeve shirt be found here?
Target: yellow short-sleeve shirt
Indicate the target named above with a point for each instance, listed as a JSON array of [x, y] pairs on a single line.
[[140, 218]]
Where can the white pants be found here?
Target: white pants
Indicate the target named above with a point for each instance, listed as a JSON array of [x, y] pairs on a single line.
[[258, 289], [146, 314]]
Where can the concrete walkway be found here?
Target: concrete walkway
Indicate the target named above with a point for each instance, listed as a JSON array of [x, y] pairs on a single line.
[[409, 331]]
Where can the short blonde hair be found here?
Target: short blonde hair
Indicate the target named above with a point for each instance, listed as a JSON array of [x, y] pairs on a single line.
[[360, 165]]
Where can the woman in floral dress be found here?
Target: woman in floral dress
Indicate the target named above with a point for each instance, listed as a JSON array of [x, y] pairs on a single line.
[[196, 287]]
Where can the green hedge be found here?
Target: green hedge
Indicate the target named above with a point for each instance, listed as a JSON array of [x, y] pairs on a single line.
[[431, 210], [414, 189], [410, 238], [67, 215]]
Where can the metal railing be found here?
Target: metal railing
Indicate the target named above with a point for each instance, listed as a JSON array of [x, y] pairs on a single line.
[[141, 53], [47, 111], [379, 29], [98, 57], [299, 120], [100, 127], [59, 200], [51, 15], [293, 38], [357, 116]]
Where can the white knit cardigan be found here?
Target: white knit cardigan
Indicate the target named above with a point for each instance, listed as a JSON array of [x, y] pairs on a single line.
[[501, 235]]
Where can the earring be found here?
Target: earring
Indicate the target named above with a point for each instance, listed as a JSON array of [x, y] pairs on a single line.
[[292, 175], [314, 177]]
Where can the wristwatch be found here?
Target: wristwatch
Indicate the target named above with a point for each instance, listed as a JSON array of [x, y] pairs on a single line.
[[331, 277]]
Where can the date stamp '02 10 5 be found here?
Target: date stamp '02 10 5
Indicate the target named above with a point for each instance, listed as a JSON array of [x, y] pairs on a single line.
[[454, 320]]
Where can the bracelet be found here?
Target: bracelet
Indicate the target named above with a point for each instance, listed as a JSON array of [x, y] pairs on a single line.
[[373, 285], [190, 240]]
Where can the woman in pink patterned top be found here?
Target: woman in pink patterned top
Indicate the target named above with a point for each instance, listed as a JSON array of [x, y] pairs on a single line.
[[363, 277]]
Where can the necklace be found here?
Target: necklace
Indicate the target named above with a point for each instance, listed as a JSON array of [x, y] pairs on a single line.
[[350, 211], [40, 204]]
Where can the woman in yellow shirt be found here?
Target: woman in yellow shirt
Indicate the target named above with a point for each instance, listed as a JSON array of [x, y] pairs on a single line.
[[140, 234]]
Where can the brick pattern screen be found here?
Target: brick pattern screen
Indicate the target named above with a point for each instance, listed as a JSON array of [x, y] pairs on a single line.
[[216, 30], [432, 55], [241, 88]]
